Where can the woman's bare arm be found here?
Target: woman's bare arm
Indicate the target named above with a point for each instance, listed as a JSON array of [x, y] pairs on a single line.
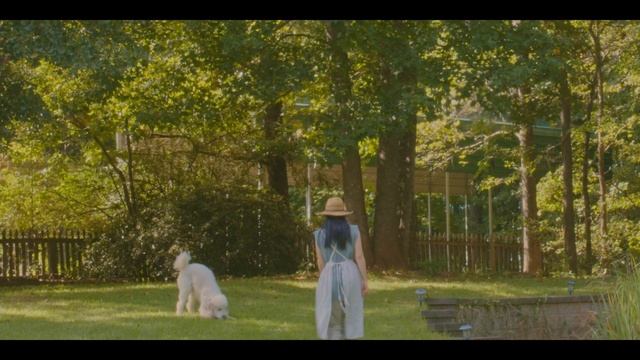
[[319, 258], [362, 265]]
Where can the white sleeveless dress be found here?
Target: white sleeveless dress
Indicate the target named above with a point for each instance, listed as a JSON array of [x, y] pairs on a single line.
[[349, 296]]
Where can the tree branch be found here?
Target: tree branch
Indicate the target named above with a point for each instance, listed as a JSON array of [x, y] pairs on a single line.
[[92, 208], [308, 36], [111, 162], [130, 168]]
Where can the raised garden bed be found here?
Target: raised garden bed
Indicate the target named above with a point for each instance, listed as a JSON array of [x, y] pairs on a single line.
[[552, 317]]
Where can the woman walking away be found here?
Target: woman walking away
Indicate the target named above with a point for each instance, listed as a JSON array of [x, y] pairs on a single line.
[[342, 283]]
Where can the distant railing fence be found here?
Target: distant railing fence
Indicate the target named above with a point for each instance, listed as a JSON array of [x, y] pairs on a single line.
[[470, 253], [59, 253], [42, 253]]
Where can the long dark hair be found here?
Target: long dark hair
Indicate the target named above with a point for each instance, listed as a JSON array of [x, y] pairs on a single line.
[[337, 231]]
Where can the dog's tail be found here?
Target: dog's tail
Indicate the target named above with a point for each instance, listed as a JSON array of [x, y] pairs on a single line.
[[182, 261]]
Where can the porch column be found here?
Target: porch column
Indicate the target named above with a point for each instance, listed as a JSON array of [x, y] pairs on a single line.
[[492, 245], [448, 220], [429, 217], [466, 225], [308, 195]]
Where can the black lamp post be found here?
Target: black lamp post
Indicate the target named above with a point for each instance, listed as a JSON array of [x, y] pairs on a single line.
[[466, 331], [421, 294]]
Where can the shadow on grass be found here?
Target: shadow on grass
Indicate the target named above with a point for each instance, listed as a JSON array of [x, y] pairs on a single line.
[[149, 327], [264, 308]]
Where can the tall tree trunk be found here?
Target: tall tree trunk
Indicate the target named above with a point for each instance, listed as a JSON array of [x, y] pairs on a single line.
[[601, 170], [595, 35], [408, 203], [387, 215], [408, 81], [395, 202], [587, 204], [585, 180], [354, 198], [113, 162], [394, 222], [532, 259], [568, 213], [134, 202], [275, 164], [386, 222], [351, 166]]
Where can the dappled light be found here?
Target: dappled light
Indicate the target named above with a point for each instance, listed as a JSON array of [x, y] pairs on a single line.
[[261, 308], [320, 172]]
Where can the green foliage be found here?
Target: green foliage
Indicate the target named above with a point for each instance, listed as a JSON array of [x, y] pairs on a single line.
[[53, 183], [438, 144], [621, 319], [509, 63], [433, 267], [234, 230], [247, 233], [192, 94]]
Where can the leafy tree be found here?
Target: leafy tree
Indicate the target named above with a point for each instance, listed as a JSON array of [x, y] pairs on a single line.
[[507, 76]]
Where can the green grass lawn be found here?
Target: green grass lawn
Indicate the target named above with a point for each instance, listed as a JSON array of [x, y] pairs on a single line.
[[264, 308]]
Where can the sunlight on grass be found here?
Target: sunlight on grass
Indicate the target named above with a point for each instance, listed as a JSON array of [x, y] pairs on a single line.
[[264, 308]]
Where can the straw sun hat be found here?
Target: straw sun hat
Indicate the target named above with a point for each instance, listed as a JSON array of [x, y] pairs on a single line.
[[335, 207]]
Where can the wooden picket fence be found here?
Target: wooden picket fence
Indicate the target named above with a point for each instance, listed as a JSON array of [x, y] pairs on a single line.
[[467, 254], [470, 254], [42, 253], [47, 254]]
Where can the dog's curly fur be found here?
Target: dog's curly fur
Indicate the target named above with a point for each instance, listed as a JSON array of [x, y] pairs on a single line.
[[197, 284]]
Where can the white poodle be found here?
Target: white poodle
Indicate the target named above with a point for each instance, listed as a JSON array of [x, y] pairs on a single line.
[[196, 283]]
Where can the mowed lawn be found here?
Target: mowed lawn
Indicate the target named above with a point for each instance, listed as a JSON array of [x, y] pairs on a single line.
[[264, 308]]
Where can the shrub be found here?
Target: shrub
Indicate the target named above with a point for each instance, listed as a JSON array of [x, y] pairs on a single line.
[[433, 267], [234, 230], [621, 319]]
